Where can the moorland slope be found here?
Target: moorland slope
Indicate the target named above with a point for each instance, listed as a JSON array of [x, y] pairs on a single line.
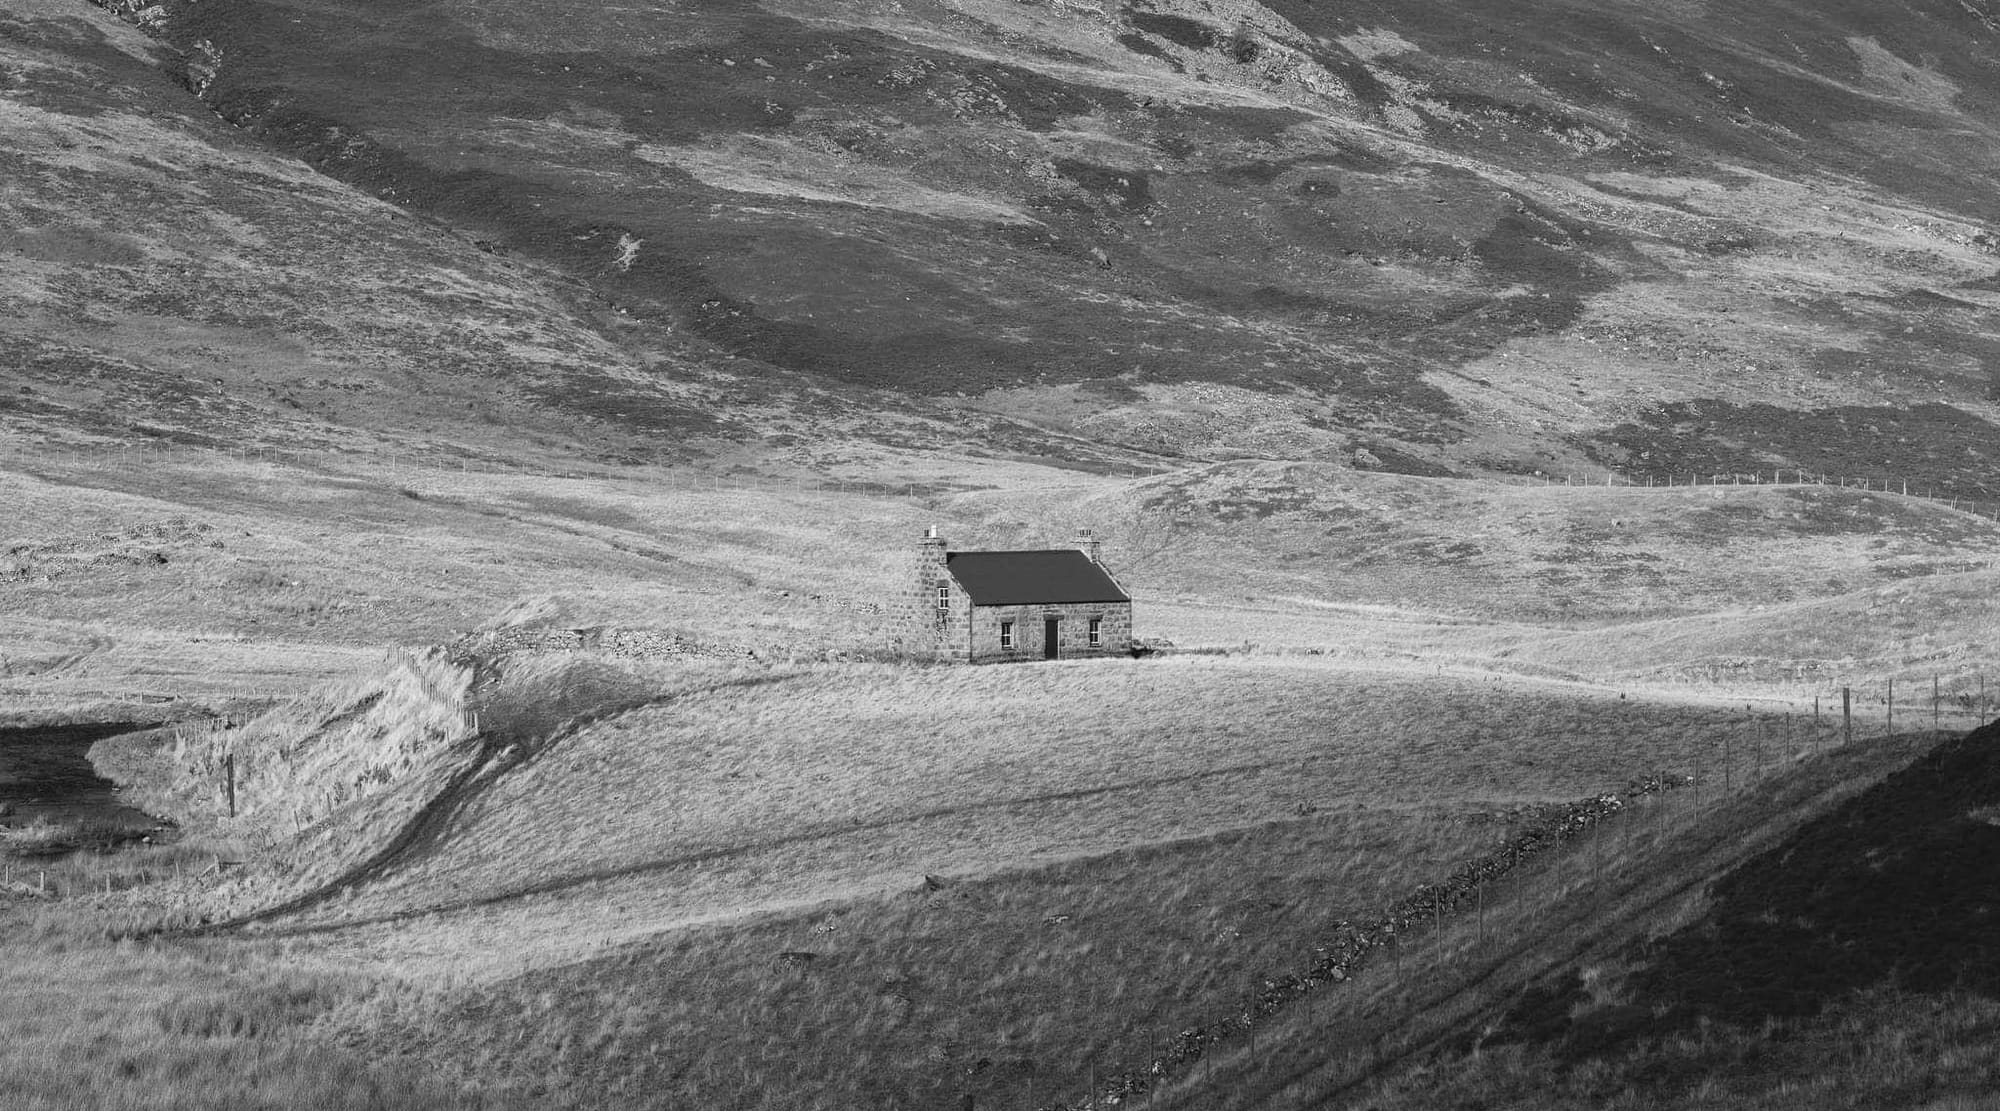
[[494, 327], [1842, 964], [1654, 240]]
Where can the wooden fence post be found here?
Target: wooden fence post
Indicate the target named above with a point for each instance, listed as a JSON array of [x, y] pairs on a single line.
[[229, 780], [1892, 709], [1847, 715], [1694, 773]]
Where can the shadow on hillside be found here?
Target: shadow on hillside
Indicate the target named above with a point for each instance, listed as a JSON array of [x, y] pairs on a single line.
[[1897, 888]]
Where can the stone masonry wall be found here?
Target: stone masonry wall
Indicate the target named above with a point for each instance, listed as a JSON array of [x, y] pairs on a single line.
[[1073, 632], [927, 572]]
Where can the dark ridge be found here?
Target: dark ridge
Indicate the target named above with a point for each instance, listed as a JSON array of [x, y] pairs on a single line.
[[1395, 461], [1129, 187], [1262, 172], [1251, 125], [630, 405], [1932, 446], [536, 219], [1175, 29], [676, 95], [1900, 885], [1278, 297], [1344, 156], [1355, 74], [1140, 44]]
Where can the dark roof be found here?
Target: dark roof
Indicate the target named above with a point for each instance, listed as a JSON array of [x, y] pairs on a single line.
[[1031, 578]]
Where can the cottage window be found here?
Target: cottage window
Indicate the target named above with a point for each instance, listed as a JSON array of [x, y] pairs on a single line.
[[944, 596], [1006, 634], [1097, 632]]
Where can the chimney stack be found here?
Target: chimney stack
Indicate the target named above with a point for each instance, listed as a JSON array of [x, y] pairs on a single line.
[[930, 550], [1087, 541]]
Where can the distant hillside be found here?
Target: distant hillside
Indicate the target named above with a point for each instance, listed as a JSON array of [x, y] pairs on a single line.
[[1613, 235], [1522, 552], [172, 280]]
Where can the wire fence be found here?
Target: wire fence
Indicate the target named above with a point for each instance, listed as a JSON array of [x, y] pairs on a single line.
[[439, 465], [1987, 505]]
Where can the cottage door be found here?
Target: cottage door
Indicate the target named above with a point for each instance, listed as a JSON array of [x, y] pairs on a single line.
[[1049, 639]]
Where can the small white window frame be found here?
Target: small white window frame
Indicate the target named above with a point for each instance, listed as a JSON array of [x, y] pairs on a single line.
[[944, 596], [1097, 632], [1007, 635]]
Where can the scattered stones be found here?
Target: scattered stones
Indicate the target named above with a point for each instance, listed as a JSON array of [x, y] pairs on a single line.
[[797, 958], [631, 643]]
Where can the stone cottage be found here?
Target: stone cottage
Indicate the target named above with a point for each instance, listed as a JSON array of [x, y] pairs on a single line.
[[983, 607]]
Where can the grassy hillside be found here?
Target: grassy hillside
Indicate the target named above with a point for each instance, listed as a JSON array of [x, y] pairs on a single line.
[[1497, 551], [1440, 242], [1840, 966], [173, 281], [333, 327], [86, 1024], [963, 865], [774, 788], [200, 577], [1909, 631]]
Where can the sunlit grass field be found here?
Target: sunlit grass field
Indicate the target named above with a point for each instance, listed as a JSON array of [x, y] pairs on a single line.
[[789, 785], [1117, 845], [1048, 865]]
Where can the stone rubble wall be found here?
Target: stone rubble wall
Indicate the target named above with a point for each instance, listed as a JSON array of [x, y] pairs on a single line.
[[630, 643]]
